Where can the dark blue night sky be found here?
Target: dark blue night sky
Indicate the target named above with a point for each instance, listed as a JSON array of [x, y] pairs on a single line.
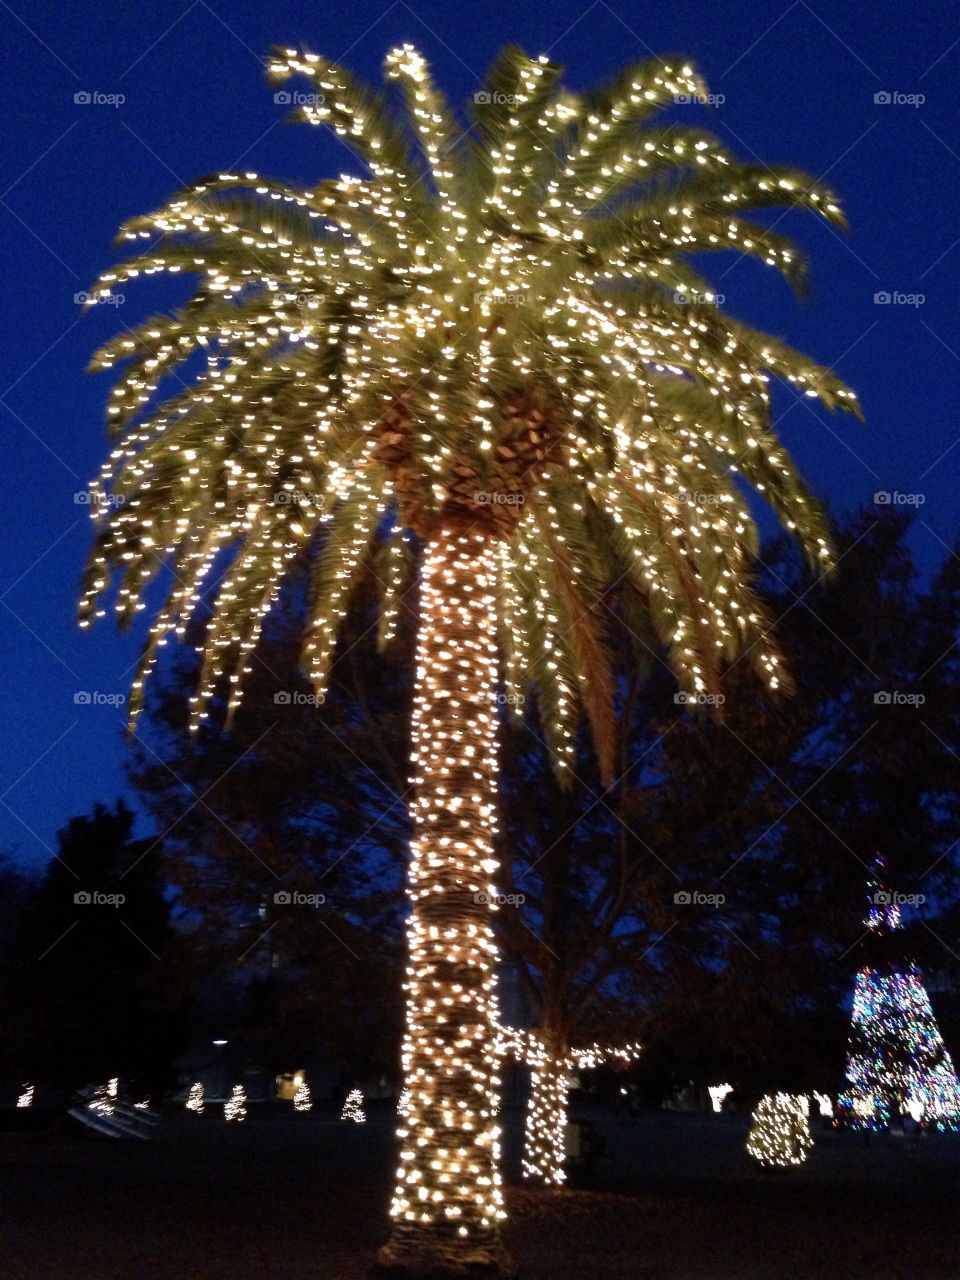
[[799, 84]]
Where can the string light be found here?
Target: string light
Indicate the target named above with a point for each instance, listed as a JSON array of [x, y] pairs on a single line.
[[194, 1100], [544, 1150], [448, 1182], [824, 1102], [780, 1131], [104, 1100], [403, 1102], [26, 1097], [717, 1094], [235, 1107], [301, 1097], [353, 1107]]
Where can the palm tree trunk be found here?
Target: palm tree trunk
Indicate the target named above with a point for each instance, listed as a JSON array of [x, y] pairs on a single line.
[[544, 1144], [447, 1205]]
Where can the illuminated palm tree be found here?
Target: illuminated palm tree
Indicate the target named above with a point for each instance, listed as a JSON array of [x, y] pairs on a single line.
[[487, 357]]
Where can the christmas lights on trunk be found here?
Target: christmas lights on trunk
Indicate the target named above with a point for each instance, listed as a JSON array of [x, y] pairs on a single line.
[[551, 1068], [448, 1182]]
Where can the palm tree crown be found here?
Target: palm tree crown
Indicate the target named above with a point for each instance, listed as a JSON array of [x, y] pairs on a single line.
[[503, 319]]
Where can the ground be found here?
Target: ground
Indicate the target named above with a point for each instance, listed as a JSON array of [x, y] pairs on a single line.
[[303, 1197]]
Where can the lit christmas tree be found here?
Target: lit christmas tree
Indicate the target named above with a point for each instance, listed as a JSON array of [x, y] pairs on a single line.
[[780, 1132], [235, 1107], [26, 1097], [104, 1099], [301, 1099], [353, 1107], [897, 1063], [195, 1098]]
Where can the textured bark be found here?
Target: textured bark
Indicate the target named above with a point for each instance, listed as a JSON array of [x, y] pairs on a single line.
[[530, 437], [447, 1204]]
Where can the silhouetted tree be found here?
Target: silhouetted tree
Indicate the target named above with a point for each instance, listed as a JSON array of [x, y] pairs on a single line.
[[91, 987]]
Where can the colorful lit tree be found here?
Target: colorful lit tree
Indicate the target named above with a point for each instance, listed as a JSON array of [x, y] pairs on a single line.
[[897, 1063], [780, 1130], [490, 354]]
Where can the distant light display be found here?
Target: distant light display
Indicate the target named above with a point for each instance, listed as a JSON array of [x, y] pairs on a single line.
[[780, 1133], [301, 1098], [897, 1063], [544, 1149], [717, 1094], [353, 1107], [235, 1107]]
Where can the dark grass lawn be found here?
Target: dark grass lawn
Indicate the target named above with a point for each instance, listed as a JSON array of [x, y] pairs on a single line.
[[290, 1197]]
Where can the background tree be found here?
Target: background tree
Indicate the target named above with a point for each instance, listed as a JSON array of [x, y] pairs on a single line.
[[287, 876], [93, 987]]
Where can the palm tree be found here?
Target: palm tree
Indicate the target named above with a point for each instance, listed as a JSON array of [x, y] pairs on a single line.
[[491, 357]]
